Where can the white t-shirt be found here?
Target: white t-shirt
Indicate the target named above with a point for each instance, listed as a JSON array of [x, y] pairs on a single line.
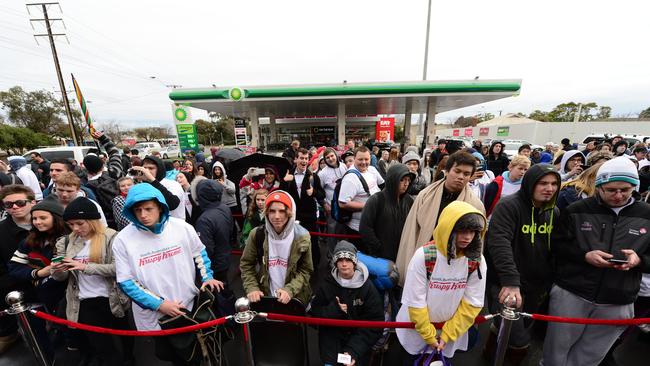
[[90, 286], [328, 178], [352, 191], [279, 261], [442, 294], [177, 190], [162, 264]]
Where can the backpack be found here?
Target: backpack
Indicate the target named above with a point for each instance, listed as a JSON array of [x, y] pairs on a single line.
[[340, 214], [105, 189], [430, 254]]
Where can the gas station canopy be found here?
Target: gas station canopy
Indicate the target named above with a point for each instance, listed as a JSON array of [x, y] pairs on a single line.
[[339, 101]]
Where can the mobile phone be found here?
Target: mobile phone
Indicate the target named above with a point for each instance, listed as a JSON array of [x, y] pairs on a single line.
[[57, 259], [617, 260], [134, 172]]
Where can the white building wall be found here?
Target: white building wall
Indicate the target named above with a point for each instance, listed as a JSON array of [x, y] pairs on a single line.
[[540, 133]]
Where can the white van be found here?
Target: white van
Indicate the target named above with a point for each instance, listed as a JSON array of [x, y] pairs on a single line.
[[61, 152], [144, 148]]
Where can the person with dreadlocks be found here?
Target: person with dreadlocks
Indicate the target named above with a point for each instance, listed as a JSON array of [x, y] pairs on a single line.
[[518, 253], [445, 282]]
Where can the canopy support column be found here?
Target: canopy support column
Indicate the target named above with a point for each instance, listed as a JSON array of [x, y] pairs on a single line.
[[406, 140], [429, 128], [255, 127], [273, 129], [341, 123]]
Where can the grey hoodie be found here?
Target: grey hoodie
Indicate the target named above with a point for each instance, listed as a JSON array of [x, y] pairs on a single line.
[[420, 181], [228, 198], [358, 279]]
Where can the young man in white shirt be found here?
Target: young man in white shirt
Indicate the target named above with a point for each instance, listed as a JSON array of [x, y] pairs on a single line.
[[156, 262], [333, 171], [353, 195]]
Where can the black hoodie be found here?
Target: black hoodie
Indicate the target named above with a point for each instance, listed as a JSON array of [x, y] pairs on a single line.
[[497, 164], [170, 198], [383, 216], [518, 239], [214, 226]]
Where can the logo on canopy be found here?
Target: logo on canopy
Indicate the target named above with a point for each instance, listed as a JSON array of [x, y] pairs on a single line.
[[236, 94]]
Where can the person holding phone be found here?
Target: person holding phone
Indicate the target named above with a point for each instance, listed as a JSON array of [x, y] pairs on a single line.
[[92, 296], [601, 247]]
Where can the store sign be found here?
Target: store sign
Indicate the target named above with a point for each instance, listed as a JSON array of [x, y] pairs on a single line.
[[469, 132], [323, 130], [503, 131], [456, 133], [385, 129], [241, 137], [484, 131], [185, 128]]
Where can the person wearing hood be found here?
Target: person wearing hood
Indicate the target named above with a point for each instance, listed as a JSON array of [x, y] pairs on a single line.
[[153, 172], [412, 161], [601, 250], [497, 160], [506, 184], [277, 260], [333, 171], [445, 282], [385, 212], [347, 294], [19, 166], [571, 165], [157, 260], [518, 253], [214, 226], [228, 198], [429, 204], [620, 148], [566, 144]]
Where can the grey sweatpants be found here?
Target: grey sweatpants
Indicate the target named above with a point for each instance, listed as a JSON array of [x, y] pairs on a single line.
[[577, 344]]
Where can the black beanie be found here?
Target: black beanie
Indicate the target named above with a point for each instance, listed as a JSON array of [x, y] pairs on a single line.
[[93, 164], [81, 208], [49, 204]]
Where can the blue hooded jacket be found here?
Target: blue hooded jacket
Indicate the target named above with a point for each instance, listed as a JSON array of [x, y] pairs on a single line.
[[145, 192]]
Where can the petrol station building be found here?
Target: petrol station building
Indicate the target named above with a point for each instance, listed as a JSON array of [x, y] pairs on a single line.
[[336, 112]]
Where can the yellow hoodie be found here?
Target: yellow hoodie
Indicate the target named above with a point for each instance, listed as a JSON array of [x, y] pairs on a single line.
[[464, 316]]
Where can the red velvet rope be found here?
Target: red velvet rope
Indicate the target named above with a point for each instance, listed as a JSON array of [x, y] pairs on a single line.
[[561, 319], [340, 236], [130, 333], [352, 323]]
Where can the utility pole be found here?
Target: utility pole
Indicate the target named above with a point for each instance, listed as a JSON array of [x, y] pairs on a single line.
[[424, 77], [46, 19]]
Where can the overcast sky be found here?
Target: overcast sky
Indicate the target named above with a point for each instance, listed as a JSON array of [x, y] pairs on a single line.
[[563, 51]]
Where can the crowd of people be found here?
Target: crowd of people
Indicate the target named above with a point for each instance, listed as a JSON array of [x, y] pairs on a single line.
[[558, 231]]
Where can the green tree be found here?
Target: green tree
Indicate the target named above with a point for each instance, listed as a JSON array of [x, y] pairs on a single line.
[[151, 133], [604, 112], [539, 115], [645, 113], [37, 110], [206, 131], [15, 140], [485, 117]]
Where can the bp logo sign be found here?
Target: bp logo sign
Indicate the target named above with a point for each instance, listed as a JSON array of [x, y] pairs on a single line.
[[236, 94], [180, 114]]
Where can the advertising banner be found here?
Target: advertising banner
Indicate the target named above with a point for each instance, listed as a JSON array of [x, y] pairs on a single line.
[[469, 132], [456, 133], [385, 129], [503, 131], [484, 131]]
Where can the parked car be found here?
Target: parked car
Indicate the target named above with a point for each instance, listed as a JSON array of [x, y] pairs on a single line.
[[144, 148], [61, 152], [512, 147], [170, 152]]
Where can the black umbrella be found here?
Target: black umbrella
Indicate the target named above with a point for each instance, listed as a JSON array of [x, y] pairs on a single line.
[[238, 168], [227, 156]]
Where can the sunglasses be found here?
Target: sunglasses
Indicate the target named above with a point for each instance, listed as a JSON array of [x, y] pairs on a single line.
[[20, 203]]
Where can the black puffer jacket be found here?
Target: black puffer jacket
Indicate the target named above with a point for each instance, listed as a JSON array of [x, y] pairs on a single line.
[[363, 303], [519, 236], [214, 226], [383, 216], [589, 225]]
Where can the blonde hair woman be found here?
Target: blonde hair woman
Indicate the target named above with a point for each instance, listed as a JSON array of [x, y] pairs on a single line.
[[582, 187], [86, 261]]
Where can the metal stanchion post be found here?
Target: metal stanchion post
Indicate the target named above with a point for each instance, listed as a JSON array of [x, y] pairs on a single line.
[[16, 307], [508, 316], [244, 316]]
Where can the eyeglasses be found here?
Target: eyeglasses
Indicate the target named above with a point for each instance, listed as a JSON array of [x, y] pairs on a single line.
[[623, 191], [20, 203]]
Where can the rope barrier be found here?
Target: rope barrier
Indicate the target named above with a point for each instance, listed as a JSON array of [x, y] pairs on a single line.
[[129, 333], [355, 323], [561, 319], [340, 236]]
